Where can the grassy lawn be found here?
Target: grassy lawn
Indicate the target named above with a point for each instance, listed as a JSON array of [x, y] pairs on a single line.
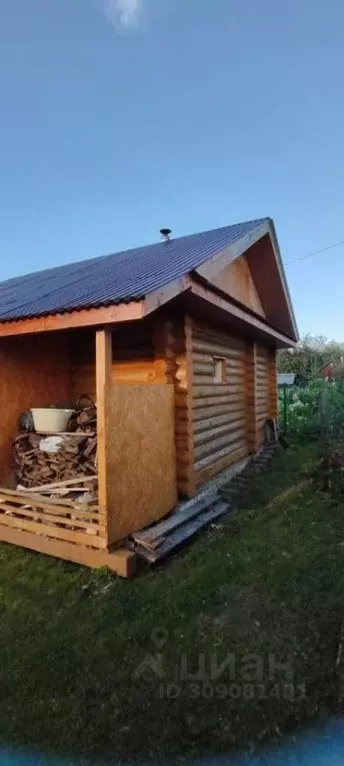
[[270, 584]]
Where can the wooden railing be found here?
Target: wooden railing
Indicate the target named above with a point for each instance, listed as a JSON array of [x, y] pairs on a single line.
[[61, 519]]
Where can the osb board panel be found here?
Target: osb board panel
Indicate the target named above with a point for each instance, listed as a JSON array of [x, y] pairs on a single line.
[[141, 461], [83, 363], [34, 372], [83, 381], [236, 280]]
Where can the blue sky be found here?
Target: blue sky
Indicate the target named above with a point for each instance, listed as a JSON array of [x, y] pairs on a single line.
[[119, 117]]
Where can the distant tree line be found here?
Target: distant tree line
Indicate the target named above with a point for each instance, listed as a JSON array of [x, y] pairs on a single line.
[[310, 354]]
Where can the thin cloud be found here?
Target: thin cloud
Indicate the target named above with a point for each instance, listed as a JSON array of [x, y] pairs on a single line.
[[123, 13]]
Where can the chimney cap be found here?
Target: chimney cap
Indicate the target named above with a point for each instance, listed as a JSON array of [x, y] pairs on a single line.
[[165, 233]]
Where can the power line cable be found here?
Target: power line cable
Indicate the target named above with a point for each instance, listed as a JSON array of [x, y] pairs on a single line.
[[315, 252]]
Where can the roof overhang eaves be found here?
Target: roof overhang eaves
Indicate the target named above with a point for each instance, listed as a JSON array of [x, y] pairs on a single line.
[[137, 309], [280, 266], [219, 261], [87, 317], [230, 307]]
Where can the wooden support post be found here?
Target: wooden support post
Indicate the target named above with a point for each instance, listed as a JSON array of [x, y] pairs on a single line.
[[251, 398], [103, 383], [273, 395]]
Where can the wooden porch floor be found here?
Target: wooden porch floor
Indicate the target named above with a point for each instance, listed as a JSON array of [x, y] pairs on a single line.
[[60, 528]]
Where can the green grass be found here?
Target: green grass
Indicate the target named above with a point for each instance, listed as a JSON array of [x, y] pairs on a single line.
[[270, 582]]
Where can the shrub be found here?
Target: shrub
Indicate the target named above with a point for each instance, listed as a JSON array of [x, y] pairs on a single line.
[[316, 409]]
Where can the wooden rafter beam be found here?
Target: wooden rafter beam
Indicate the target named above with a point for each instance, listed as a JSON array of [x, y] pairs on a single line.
[[124, 312]]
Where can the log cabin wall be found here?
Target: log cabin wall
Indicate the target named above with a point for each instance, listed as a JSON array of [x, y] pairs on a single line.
[[216, 423], [219, 424], [263, 391], [35, 372], [172, 339], [251, 397], [273, 391]]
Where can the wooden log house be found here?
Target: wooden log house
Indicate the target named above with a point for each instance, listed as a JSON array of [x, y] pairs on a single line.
[[177, 344]]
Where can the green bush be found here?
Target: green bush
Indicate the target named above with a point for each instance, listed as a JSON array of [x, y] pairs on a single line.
[[316, 409]]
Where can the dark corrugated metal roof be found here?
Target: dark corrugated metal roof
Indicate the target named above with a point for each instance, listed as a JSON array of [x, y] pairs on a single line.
[[116, 278]]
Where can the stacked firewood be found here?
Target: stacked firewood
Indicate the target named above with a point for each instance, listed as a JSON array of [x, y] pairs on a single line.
[[41, 459], [85, 420]]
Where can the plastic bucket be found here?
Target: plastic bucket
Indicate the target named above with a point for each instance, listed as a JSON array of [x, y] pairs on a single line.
[[49, 420]]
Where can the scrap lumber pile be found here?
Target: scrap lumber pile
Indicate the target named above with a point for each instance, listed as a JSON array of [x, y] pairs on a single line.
[[42, 459], [155, 542], [162, 538]]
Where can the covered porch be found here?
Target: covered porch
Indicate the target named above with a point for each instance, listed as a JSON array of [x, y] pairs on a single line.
[[134, 477]]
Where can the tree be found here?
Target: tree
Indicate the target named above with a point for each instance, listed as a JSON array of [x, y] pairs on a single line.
[[311, 353]]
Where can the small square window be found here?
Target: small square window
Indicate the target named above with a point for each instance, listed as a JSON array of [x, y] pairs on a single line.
[[220, 373]]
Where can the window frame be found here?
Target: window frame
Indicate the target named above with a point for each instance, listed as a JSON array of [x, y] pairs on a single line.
[[220, 370]]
